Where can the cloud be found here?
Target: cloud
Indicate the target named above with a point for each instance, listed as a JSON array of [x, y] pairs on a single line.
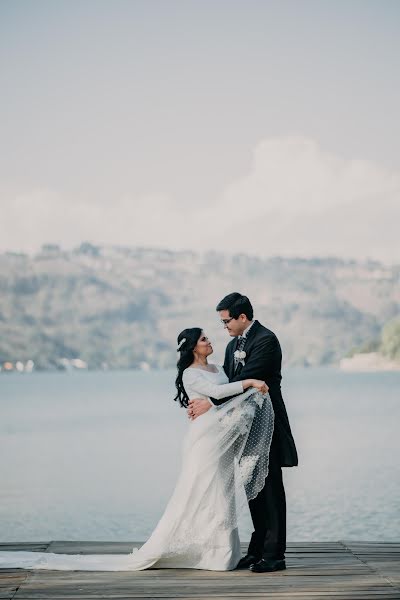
[[297, 199], [43, 216]]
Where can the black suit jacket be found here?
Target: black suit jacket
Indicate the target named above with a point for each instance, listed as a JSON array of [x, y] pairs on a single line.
[[263, 361]]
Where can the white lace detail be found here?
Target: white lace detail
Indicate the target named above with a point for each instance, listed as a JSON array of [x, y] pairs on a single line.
[[248, 425], [246, 467]]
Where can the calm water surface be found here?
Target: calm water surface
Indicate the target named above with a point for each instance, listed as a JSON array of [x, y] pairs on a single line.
[[95, 455]]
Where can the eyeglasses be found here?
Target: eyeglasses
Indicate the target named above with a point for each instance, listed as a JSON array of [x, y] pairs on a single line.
[[226, 321]]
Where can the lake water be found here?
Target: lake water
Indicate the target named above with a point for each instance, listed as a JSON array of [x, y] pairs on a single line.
[[94, 456]]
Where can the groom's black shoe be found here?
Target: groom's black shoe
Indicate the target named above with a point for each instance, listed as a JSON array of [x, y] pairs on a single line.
[[246, 561], [268, 565]]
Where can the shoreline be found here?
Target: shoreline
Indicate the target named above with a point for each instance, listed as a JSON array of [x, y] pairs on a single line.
[[369, 362]]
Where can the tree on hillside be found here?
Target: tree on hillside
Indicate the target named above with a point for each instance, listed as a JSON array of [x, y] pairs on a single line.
[[390, 345]]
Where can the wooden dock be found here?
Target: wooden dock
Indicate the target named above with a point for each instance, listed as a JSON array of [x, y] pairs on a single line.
[[344, 570]]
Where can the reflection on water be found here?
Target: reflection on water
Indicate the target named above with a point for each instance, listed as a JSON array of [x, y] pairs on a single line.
[[95, 455]]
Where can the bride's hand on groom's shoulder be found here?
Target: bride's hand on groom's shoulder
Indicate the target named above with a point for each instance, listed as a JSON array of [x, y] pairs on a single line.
[[197, 407]]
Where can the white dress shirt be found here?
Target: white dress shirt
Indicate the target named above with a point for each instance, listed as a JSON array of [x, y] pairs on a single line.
[[246, 331]]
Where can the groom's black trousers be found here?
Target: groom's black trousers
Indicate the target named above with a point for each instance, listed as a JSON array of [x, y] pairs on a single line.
[[268, 512]]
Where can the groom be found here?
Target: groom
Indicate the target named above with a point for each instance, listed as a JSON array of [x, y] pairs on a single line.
[[255, 353]]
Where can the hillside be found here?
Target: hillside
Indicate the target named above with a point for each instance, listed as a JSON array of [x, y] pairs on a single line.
[[117, 307]]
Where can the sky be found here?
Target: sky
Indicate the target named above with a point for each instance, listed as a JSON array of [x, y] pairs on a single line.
[[266, 127]]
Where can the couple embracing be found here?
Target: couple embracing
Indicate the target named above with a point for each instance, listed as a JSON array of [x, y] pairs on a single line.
[[252, 360], [237, 442]]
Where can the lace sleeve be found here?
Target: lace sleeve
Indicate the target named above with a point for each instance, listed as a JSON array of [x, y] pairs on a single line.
[[198, 382]]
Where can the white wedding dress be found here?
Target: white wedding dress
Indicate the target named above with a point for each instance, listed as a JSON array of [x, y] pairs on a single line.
[[224, 461]]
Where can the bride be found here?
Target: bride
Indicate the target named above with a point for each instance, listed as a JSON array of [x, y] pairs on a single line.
[[224, 463]]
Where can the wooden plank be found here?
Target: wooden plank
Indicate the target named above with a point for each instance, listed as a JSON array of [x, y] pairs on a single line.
[[10, 581], [71, 547], [28, 546], [381, 558], [103, 585], [342, 570]]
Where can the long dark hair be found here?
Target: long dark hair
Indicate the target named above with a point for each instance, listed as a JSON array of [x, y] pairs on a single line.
[[185, 348]]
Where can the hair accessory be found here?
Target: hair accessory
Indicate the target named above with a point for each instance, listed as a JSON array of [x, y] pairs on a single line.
[[183, 340]]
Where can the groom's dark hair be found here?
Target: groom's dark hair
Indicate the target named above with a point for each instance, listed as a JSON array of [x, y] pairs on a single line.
[[237, 304]]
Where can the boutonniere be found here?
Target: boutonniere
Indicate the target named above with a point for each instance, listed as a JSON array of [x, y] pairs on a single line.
[[240, 355]]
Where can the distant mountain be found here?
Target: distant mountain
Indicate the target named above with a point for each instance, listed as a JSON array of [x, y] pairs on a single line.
[[117, 307]]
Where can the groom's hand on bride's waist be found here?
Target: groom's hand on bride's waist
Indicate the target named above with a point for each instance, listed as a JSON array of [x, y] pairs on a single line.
[[197, 407]]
